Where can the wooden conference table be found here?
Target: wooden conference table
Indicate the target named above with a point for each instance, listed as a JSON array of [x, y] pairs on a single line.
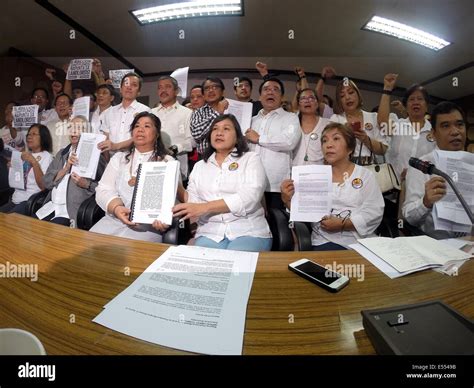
[[79, 272]]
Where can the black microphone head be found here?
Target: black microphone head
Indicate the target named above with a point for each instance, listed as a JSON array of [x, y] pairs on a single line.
[[423, 166]]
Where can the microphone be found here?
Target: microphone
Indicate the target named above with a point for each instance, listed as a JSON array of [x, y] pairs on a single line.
[[429, 168]]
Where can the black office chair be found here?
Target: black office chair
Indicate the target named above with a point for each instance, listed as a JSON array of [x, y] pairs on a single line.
[[278, 220], [303, 232], [35, 202]]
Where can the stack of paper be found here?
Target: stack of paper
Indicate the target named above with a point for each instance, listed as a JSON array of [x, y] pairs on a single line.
[[404, 255], [190, 298]]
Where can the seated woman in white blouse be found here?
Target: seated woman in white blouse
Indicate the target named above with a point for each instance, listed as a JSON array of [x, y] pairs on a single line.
[[115, 190], [365, 125], [225, 191], [356, 198]]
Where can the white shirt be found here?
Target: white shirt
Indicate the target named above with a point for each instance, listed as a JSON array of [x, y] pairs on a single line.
[[413, 210], [369, 125], [44, 158], [328, 112], [114, 181], [361, 195], [310, 146], [97, 119], [240, 182], [406, 143], [279, 135], [19, 142], [117, 120], [59, 130], [176, 130], [47, 115]]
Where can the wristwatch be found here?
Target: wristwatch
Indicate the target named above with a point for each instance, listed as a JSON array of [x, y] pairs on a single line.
[[174, 150]]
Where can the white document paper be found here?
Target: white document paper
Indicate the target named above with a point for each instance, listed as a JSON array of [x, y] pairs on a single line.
[[81, 107], [312, 199], [413, 253], [79, 69], [25, 115], [155, 192], [190, 298], [45, 210], [117, 75], [242, 112], [181, 76], [16, 179], [88, 154]]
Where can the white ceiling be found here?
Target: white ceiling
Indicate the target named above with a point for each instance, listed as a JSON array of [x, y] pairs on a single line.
[[325, 32]]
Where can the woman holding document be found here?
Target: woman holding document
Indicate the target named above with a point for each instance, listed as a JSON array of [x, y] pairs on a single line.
[[357, 203], [69, 190], [115, 190], [225, 191]]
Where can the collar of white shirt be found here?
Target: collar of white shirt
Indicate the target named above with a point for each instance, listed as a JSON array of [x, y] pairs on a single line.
[[133, 105], [278, 111], [230, 158], [174, 106]]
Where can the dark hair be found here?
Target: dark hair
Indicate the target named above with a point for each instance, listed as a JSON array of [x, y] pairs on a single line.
[[111, 90], [274, 79], [46, 141], [445, 107], [216, 80], [412, 89], [43, 89], [169, 78], [140, 81], [298, 95], [197, 87], [159, 149], [61, 95], [241, 145], [187, 100], [242, 79], [330, 100], [346, 132]]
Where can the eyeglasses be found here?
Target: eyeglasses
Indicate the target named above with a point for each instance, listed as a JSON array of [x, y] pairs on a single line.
[[32, 134], [345, 214], [39, 97], [308, 98], [271, 89], [211, 87]]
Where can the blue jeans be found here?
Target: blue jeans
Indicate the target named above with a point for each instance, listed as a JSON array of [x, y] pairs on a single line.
[[245, 243]]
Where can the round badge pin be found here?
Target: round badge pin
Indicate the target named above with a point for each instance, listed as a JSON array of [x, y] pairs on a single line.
[[313, 136], [430, 137], [233, 166], [38, 158], [357, 183], [368, 126]]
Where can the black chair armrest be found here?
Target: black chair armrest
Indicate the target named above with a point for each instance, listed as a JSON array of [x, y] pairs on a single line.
[[282, 237], [35, 202], [178, 233], [411, 230], [89, 213], [303, 232]]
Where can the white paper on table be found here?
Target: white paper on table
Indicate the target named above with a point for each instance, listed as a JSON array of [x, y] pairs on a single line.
[[181, 76], [117, 75], [16, 179], [88, 154], [79, 69], [155, 192], [312, 199], [81, 107], [464, 245], [409, 253], [383, 266], [25, 116], [447, 225], [242, 112], [458, 165], [190, 298]]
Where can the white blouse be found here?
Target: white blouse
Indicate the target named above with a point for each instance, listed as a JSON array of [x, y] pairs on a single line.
[[310, 146], [240, 182], [115, 180], [369, 125], [361, 195]]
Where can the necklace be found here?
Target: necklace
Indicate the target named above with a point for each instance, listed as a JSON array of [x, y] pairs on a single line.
[[313, 136], [133, 179]]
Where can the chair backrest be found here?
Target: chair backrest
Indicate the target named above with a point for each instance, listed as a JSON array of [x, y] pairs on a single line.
[[89, 213], [178, 233], [282, 236], [35, 202], [303, 232]]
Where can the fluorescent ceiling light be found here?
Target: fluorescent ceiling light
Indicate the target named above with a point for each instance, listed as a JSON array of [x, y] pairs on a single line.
[[188, 9], [402, 31]]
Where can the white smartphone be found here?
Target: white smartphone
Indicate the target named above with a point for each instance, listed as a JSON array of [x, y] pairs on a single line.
[[317, 274]]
